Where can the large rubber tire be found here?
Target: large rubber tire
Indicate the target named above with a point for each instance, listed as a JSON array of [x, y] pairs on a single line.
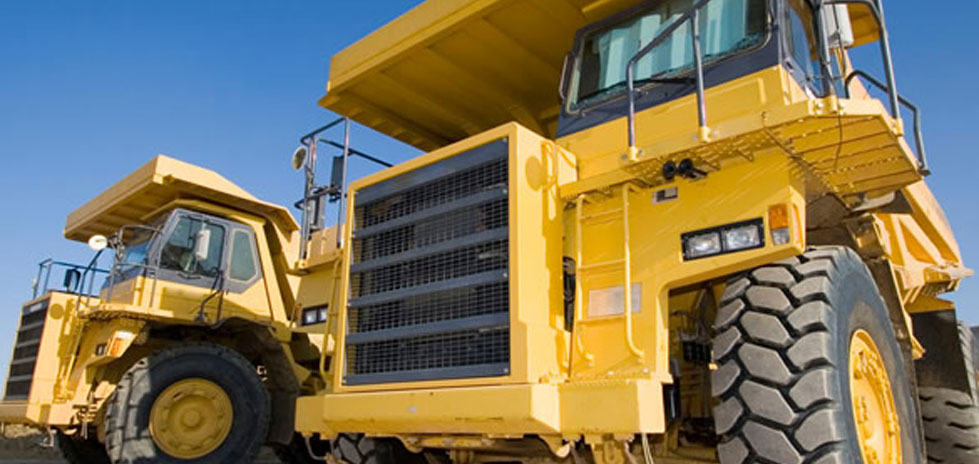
[[81, 451], [359, 449], [951, 417], [128, 438], [296, 451], [782, 348]]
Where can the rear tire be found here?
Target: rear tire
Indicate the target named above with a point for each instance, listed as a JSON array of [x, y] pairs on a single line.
[[951, 417], [360, 449], [129, 436], [81, 451], [783, 348]]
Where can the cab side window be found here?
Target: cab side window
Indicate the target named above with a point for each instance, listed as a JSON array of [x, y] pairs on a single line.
[[802, 44], [194, 247], [243, 262]]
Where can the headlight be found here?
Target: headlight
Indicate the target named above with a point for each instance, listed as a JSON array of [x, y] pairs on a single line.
[[742, 237], [314, 315], [725, 239], [698, 246]]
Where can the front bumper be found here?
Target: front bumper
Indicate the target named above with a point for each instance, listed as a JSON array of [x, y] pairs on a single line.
[[624, 406]]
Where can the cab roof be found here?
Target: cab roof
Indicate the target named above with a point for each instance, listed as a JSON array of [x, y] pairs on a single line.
[[448, 69], [157, 184]]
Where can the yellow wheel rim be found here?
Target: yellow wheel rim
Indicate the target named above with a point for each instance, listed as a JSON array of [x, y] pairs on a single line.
[[874, 413], [191, 418]]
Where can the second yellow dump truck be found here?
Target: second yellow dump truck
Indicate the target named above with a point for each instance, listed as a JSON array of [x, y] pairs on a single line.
[[667, 231]]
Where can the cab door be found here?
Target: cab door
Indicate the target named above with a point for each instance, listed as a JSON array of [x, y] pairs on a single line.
[[209, 270]]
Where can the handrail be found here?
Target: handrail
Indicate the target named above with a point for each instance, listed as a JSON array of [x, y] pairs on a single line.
[[885, 48], [694, 15], [46, 266], [310, 141], [918, 135]]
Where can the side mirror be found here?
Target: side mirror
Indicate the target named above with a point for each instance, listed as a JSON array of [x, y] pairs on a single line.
[[72, 278], [202, 244], [299, 157], [839, 28], [98, 242]]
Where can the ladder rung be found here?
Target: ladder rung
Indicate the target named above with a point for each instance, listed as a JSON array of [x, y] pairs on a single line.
[[603, 214], [602, 264]]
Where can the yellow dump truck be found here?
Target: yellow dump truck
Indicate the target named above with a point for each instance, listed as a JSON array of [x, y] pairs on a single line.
[[671, 231]]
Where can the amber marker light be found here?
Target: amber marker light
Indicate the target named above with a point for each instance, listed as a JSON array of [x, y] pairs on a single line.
[[779, 224]]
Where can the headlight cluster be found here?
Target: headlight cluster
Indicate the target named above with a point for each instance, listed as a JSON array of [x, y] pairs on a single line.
[[724, 239], [314, 315]]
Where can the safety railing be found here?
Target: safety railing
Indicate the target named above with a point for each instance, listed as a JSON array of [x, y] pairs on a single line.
[[78, 279], [918, 135], [311, 203], [692, 17]]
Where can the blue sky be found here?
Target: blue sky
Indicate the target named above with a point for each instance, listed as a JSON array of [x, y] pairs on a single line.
[[91, 90]]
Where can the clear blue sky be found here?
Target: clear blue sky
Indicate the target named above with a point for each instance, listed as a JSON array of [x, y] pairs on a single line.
[[90, 90]]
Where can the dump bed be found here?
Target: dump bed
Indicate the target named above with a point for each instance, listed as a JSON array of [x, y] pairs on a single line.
[[155, 185], [449, 69]]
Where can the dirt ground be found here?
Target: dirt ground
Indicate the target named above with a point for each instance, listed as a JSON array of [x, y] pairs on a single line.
[[24, 446]]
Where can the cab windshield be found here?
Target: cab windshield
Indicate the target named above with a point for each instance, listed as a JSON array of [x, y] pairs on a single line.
[[727, 27]]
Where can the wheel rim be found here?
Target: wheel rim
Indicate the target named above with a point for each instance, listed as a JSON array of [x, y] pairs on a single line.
[[874, 412], [191, 418]]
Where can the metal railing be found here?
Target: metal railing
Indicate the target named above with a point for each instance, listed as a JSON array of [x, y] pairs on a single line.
[[918, 135], [313, 193], [311, 141], [692, 17], [78, 279]]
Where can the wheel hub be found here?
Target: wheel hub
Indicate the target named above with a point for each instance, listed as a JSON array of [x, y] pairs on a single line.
[[875, 414], [191, 418]]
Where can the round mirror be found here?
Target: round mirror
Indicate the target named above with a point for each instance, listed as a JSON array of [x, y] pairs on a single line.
[[98, 242], [299, 157]]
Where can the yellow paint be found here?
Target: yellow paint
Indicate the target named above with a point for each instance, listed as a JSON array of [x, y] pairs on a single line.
[[191, 418], [442, 78], [874, 414]]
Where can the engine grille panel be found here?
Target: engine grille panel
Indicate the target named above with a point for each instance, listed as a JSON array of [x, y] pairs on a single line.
[[26, 348], [429, 295]]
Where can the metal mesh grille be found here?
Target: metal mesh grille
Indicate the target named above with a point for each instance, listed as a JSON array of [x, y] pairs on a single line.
[[433, 194], [28, 344], [469, 348], [432, 307], [443, 266], [428, 289], [439, 229]]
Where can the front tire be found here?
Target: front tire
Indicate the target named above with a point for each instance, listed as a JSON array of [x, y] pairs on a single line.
[[195, 404], [785, 384], [951, 417]]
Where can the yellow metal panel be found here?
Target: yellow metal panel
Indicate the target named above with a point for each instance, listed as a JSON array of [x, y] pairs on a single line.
[[158, 183], [864, 25], [602, 350], [506, 409], [620, 406], [446, 69]]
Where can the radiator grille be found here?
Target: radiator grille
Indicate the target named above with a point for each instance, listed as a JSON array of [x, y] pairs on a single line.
[[429, 296], [26, 348]]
